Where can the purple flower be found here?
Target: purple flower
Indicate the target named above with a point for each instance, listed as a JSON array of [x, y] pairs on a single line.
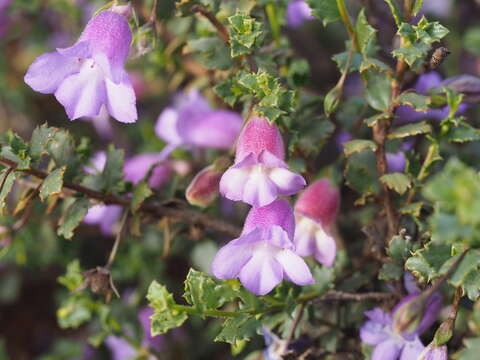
[[341, 138], [433, 352], [377, 331], [440, 8], [90, 74], [106, 216], [120, 348], [406, 114], [137, 167], [259, 173], [264, 254], [191, 121], [4, 18], [144, 317], [298, 12], [101, 123], [315, 212], [396, 161]]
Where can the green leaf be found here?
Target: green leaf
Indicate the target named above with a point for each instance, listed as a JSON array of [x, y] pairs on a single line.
[[390, 271], [366, 35], [325, 10], [417, 6], [394, 9], [140, 194], [72, 217], [73, 277], [469, 264], [245, 34], [113, 171], [361, 173], [400, 248], [410, 130], [413, 209], [355, 146], [53, 183], [397, 181], [332, 99], [239, 328], [342, 58], [378, 90], [412, 53], [165, 316], [471, 350], [229, 91], [416, 101], [41, 136], [426, 263], [7, 178], [373, 120], [74, 311], [204, 293], [471, 285], [211, 52], [462, 133], [61, 148]]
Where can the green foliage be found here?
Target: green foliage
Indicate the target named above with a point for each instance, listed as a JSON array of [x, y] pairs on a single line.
[[325, 10], [140, 194], [355, 146], [471, 351], [53, 183], [378, 90], [211, 52], [245, 34], [7, 179], [396, 181], [73, 215], [410, 130]]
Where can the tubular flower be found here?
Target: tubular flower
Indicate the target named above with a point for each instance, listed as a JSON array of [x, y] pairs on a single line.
[[260, 172], [191, 121], [137, 167], [298, 12], [90, 74], [315, 212], [433, 352], [264, 253]]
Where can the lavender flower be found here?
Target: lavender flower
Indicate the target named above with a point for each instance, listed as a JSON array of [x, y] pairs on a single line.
[[137, 167], [259, 173], [192, 122], [154, 342], [264, 253], [298, 12], [90, 74], [432, 352], [315, 212], [120, 348], [396, 162], [380, 332]]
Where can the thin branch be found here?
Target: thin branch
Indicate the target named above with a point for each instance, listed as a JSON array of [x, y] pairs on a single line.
[[118, 238], [334, 295], [295, 323], [189, 216]]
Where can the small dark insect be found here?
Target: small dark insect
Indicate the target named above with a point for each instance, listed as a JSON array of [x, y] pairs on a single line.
[[438, 56]]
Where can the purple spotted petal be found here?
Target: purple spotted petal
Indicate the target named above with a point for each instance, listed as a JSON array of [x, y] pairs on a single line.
[[387, 350]]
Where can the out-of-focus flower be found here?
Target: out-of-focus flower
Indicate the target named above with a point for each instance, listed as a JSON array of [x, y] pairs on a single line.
[[315, 212], [406, 114], [144, 317], [396, 162], [105, 216], [390, 343], [101, 123], [124, 10], [440, 8], [275, 346], [5, 238], [298, 12], [90, 74], [433, 352], [120, 348], [4, 19], [264, 254], [203, 189], [341, 138], [260, 172], [137, 167], [191, 121]]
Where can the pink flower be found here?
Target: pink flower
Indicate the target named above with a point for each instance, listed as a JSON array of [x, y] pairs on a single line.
[[315, 212], [203, 189], [260, 173], [90, 74], [264, 254]]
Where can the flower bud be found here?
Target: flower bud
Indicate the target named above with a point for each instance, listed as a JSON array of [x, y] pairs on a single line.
[[408, 315], [124, 10], [203, 189], [332, 99]]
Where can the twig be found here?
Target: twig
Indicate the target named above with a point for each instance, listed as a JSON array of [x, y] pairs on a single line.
[[189, 216], [342, 9], [295, 323], [334, 295], [7, 173], [118, 238]]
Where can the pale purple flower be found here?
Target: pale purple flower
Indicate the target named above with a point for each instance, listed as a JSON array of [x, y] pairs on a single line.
[[298, 12], [90, 74], [154, 342], [379, 332], [264, 253], [105, 216], [260, 173], [120, 348], [101, 123], [192, 122], [315, 212], [406, 114], [440, 8], [341, 138], [433, 352], [396, 162], [137, 167]]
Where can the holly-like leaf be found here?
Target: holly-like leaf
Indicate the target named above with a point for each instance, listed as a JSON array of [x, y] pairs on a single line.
[[410, 130], [53, 183], [211, 52], [426, 263], [355, 146], [366, 35], [41, 136], [417, 101], [462, 133], [395, 10], [165, 316], [245, 34], [378, 90], [7, 178], [239, 328], [325, 10], [397, 181], [72, 217], [140, 194]]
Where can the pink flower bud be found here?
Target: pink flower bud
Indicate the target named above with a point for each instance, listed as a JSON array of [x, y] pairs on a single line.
[[203, 189]]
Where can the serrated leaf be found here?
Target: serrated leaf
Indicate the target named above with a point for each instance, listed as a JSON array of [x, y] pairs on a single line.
[[378, 90], [397, 181], [355, 146], [165, 316], [140, 194], [390, 271], [414, 100], [245, 34], [61, 148], [361, 173], [211, 52], [410, 130], [325, 10], [426, 263], [417, 6], [73, 278], [342, 58], [395, 10], [463, 133], [7, 178], [399, 248], [53, 183], [469, 264], [204, 293], [72, 217], [41, 136], [373, 120], [239, 328], [112, 174], [413, 209], [74, 311], [366, 35]]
